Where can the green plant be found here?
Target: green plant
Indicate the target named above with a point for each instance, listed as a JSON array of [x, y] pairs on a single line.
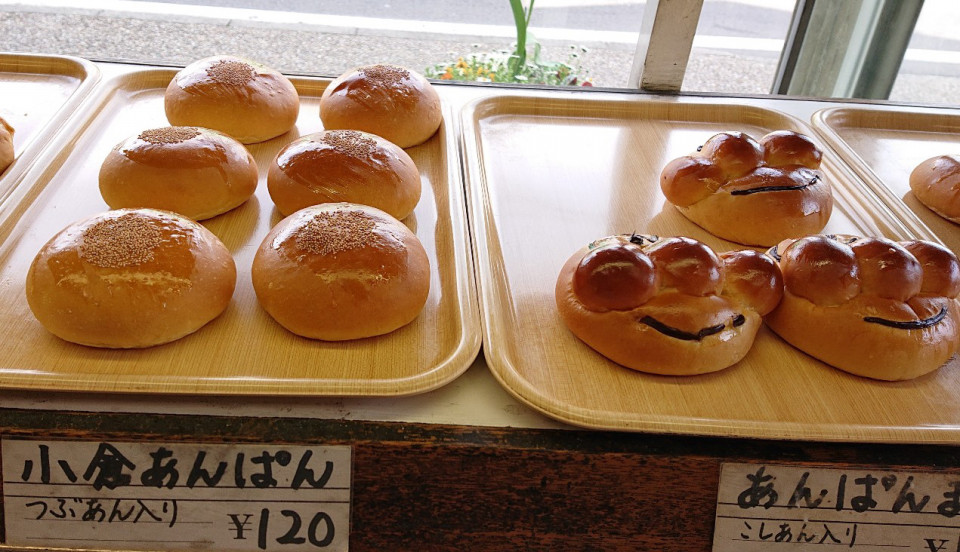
[[521, 18], [515, 66]]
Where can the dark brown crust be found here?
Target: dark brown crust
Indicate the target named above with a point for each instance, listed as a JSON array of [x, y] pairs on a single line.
[[737, 190], [862, 327], [673, 333]]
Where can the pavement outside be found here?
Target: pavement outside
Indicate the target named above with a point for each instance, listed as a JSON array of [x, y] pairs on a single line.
[[155, 40]]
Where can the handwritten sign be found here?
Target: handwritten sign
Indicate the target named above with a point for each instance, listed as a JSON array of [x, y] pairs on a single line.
[[148, 496], [763, 507]]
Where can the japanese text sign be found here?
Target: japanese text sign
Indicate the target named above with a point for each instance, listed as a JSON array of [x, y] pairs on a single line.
[[763, 507], [149, 496]]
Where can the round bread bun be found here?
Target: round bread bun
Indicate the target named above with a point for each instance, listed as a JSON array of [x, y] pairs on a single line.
[[197, 172], [392, 102], [668, 306], [344, 166], [6, 145], [936, 183], [754, 193], [130, 278], [339, 271], [239, 97], [869, 306]]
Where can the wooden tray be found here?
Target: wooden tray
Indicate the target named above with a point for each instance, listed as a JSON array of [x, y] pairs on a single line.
[[243, 351], [39, 93], [547, 175], [884, 145]]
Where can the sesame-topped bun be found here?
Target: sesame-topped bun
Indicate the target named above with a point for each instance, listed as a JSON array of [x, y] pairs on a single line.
[[667, 306], [344, 166], [6, 145], [197, 172], [339, 271], [869, 306], [245, 99], [751, 192], [936, 183], [390, 101], [130, 278]]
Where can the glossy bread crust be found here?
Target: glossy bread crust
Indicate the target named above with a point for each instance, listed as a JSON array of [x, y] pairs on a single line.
[[197, 172], [344, 166], [869, 306], [130, 278], [936, 183], [340, 271], [239, 97], [750, 192], [393, 102], [698, 312], [6, 145]]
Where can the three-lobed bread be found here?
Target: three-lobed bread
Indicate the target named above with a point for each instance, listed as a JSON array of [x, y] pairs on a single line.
[[197, 172], [869, 306], [344, 166], [239, 97], [750, 192], [130, 278], [6, 145], [393, 102], [666, 306], [341, 271], [936, 183]]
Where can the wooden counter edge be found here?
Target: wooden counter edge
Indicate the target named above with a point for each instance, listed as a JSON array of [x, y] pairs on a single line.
[[455, 487]]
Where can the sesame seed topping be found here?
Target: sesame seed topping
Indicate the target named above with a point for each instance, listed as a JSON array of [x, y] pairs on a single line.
[[127, 240], [387, 74], [350, 142], [233, 73], [328, 233], [169, 135]]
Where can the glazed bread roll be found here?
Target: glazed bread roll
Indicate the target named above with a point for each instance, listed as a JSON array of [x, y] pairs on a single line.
[[244, 99], [339, 271], [869, 306], [392, 102], [6, 145], [666, 306], [754, 193], [130, 278], [344, 166], [197, 172], [936, 183]]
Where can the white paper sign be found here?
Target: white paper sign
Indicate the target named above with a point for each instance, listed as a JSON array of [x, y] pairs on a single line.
[[764, 507], [153, 496]]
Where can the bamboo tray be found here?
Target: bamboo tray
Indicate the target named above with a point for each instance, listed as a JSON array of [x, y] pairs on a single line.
[[39, 93], [548, 174], [243, 351], [884, 146]]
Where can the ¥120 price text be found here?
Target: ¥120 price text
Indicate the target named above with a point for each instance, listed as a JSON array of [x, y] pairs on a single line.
[[174, 496], [286, 527]]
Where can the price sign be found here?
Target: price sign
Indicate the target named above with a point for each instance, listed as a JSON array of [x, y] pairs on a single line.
[[764, 507], [140, 496]]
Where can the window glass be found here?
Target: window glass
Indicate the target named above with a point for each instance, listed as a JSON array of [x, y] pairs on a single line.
[[930, 72], [569, 42], [738, 45]]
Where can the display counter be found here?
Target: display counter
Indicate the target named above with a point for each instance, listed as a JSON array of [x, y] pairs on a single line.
[[531, 441]]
